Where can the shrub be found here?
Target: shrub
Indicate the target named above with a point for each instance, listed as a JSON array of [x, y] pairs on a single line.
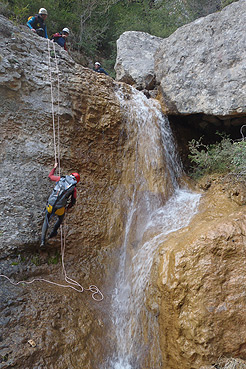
[[223, 157]]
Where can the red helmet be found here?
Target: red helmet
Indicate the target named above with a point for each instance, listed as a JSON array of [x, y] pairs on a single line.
[[77, 176]]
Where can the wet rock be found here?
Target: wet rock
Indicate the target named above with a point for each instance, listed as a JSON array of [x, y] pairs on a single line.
[[201, 283], [238, 194]]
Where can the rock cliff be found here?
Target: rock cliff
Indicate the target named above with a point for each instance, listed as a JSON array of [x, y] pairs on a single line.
[[200, 67], [96, 141], [91, 140], [195, 273]]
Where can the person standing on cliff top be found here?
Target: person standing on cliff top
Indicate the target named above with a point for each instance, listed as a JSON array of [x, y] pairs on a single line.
[[37, 23], [99, 69], [61, 37], [64, 190]]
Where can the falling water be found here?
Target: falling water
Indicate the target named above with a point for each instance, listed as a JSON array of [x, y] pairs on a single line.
[[157, 208]]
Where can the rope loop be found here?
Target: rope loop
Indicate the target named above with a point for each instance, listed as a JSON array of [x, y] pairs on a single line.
[[241, 131], [95, 291]]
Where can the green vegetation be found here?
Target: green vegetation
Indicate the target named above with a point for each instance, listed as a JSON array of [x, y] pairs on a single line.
[[54, 259], [21, 259], [36, 260], [225, 156], [96, 25]]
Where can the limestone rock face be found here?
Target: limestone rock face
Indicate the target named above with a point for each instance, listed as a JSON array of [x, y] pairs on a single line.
[[87, 104], [201, 279], [96, 141], [201, 66], [135, 59], [59, 320]]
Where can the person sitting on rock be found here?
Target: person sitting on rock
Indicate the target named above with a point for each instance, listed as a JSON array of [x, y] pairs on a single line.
[[61, 37], [99, 69], [37, 23], [58, 202]]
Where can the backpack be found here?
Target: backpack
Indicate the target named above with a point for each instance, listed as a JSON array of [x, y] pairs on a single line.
[[55, 35], [62, 190], [39, 23], [35, 16]]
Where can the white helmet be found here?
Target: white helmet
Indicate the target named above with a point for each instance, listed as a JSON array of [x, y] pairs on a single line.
[[65, 30], [97, 63], [42, 11]]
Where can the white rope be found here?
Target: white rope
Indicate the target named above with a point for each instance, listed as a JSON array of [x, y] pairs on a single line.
[[52, 102], [71, 283], [58, 112], [92, 288], [241, 131]]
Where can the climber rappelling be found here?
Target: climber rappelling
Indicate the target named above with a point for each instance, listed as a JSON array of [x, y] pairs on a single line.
[[61, 200]]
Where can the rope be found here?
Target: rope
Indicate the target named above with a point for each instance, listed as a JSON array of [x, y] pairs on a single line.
[[71, 283], [92, 288], [58, 112], [241, 131], [52, 103]]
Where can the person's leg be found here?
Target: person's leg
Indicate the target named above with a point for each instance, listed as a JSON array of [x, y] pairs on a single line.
[[57, 225], [45, 227]]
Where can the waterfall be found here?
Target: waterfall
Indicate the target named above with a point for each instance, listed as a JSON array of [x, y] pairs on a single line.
[[157, 207]]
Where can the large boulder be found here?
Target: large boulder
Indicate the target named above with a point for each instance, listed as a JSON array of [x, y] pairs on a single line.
[[201, 66], [135, 62]]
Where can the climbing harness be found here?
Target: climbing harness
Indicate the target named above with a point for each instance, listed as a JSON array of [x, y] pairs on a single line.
[[71, 283]]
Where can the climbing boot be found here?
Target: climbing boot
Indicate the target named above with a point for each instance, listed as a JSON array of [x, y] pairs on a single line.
[[42, 245], [53, 234]]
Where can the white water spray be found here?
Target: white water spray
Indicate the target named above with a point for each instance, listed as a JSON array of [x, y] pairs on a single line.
[[151, 217]]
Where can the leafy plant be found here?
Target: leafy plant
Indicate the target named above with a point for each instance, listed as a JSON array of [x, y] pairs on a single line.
[[96, 24], [222, 157], [20, 12]]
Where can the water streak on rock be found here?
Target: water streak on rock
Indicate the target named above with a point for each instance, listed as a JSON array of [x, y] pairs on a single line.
[[157, 208]]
